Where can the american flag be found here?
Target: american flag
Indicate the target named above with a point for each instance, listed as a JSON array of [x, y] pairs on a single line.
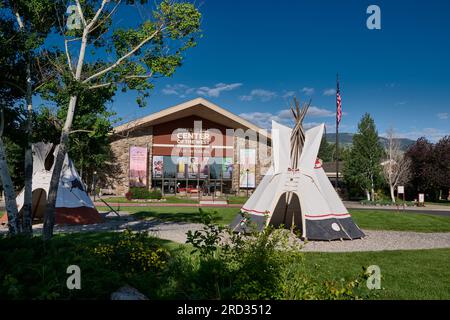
[[338, 104]]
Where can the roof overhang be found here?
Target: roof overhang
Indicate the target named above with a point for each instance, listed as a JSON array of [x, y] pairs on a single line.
[[199, 107]]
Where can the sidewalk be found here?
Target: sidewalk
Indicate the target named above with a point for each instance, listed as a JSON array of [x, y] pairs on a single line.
[[428, 207]]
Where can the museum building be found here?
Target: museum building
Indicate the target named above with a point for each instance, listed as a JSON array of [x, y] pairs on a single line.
[[194, 147]]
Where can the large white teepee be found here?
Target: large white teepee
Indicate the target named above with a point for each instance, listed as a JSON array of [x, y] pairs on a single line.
[[73, 205], [296, 192]]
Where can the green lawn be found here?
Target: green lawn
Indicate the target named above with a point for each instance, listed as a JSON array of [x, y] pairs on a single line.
[[440, 202], [418, 274], [391, 220], [182, 214], [406, 274], [236, 200]]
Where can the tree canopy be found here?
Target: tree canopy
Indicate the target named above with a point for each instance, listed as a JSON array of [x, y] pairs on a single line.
[[363, 163]]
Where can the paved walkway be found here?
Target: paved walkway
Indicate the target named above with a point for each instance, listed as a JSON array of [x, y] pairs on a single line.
[[176, 231]]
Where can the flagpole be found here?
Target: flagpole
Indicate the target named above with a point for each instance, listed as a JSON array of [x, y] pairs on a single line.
[[337, 134]]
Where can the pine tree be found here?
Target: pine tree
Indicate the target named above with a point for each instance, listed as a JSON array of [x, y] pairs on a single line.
[[362, 167]]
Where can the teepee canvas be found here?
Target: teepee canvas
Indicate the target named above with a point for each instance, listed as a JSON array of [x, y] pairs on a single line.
[[296, 192], [73, 205]]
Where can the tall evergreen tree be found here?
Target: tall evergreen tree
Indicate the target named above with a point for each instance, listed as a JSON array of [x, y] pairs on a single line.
[[362, 167], [326, 150]]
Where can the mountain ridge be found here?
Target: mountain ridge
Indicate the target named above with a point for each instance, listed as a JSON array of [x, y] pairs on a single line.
[[346, 140]]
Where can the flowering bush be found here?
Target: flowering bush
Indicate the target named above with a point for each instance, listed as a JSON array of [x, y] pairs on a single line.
[[133, 252]]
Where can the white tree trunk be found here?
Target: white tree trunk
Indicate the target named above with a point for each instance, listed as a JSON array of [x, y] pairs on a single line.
[[9, 193], [391, 188], [367, 195], [49, 217], [28, 189]]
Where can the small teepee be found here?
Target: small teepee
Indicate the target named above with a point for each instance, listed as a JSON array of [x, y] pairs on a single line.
[[73, 205], [296, 192]]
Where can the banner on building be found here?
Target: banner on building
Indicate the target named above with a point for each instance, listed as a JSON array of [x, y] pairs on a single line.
[[247, 171], [227, 168], [138, 167], [158, 166], [193, 168], [181, 167], [204, 168]]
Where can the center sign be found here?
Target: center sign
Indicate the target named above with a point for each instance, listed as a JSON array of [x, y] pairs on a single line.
[[191, 137]]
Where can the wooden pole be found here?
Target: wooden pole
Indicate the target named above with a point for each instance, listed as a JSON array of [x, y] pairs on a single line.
[[337, 136]]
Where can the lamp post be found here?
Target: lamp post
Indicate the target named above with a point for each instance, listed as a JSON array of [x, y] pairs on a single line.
[[248, 170], [95, 181]]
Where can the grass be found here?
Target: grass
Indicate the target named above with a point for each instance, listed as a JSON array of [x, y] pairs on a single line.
[[236, 200], [418, 274], [391, 220], [412, 274], [406, 274], [439, 202], [182, 214]]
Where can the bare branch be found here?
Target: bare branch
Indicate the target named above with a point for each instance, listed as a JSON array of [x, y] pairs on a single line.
[[69, 61], [19, 21], [124, 57], [81, 130], [97, 14], [74, 39], [102, 85], [107, 17]]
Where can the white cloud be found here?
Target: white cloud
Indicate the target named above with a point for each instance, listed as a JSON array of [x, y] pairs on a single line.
[[261, 119], [308, 91], [288, 94], [179, 90], [218, 89], [319, 112], [432, 134], [246, 98], [284, 116], [261, 94], [400, 103], [329, 92], [443, 115]]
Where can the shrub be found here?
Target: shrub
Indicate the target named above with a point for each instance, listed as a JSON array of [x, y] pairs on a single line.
[[132, 253], [143, 193], [261, 265], [33, 269]]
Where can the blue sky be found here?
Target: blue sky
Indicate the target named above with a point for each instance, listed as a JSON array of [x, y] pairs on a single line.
[[254, 55]]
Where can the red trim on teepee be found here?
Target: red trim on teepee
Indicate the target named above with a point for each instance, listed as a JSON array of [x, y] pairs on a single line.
[[327, 215], [80, 215], [255, 211], [318, 164]]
